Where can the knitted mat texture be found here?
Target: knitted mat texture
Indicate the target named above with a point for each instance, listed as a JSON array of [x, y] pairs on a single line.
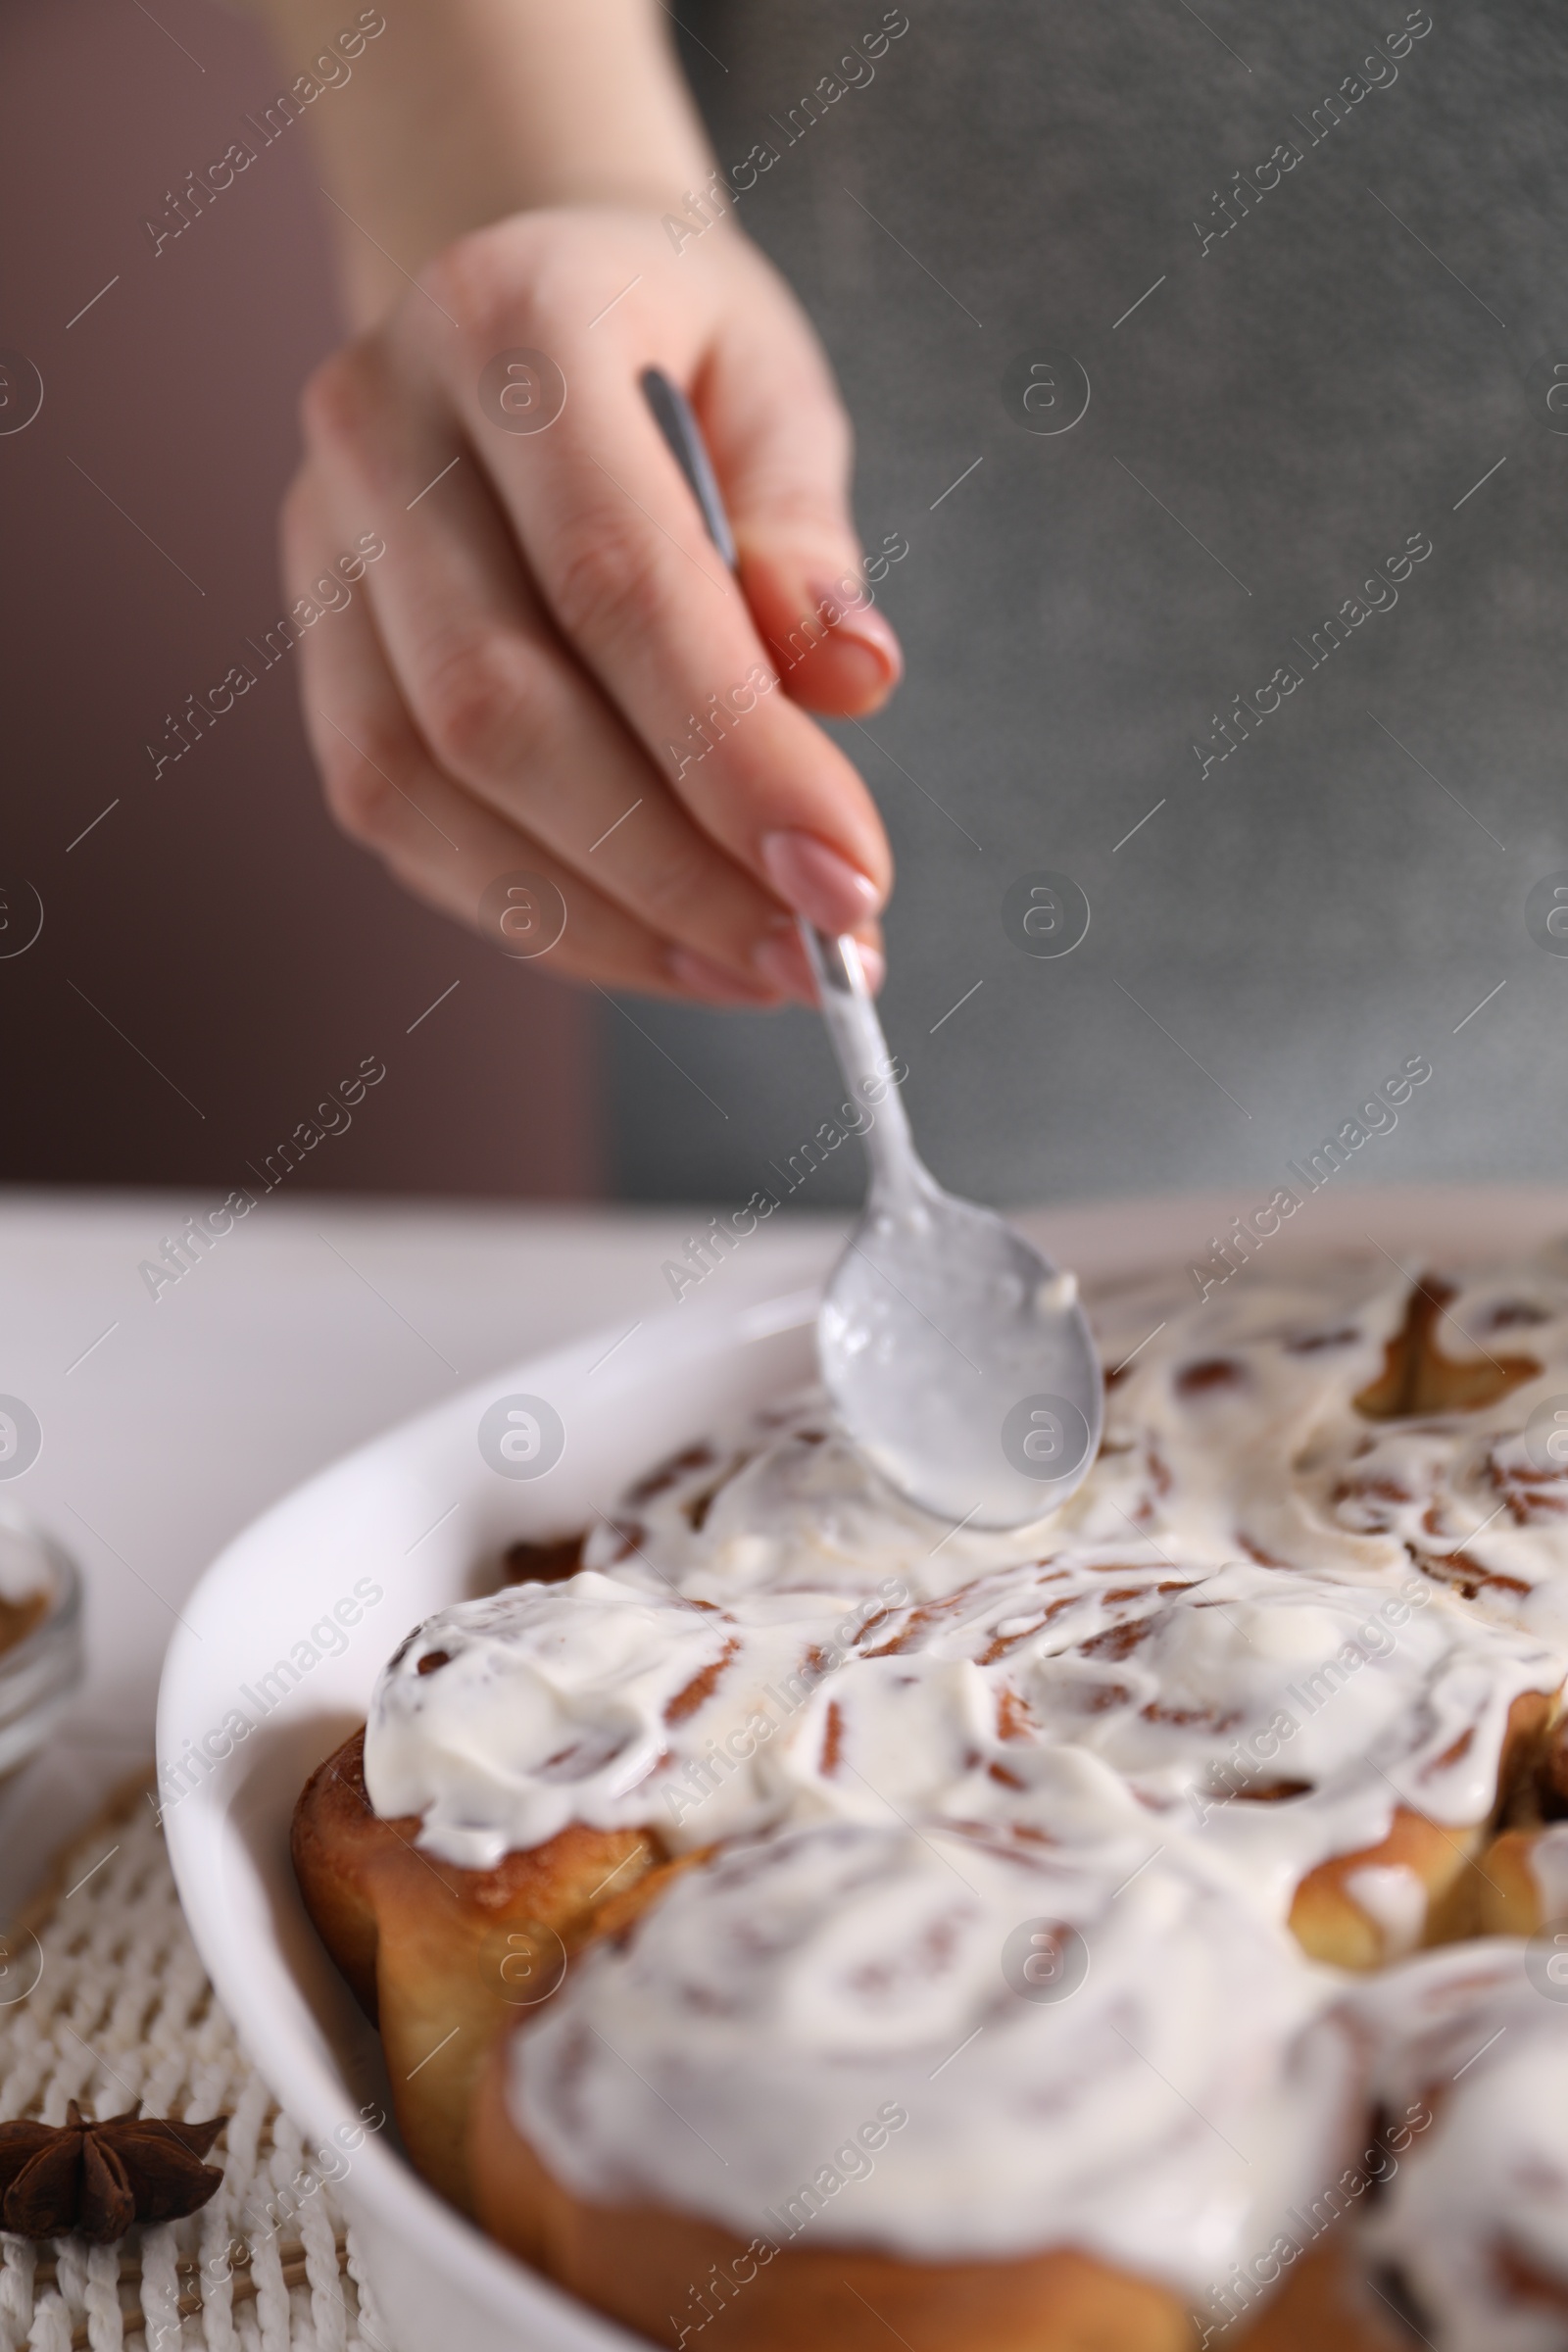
[[104, 2000]]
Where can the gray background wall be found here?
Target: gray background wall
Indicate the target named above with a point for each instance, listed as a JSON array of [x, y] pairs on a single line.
[[1313, 390]]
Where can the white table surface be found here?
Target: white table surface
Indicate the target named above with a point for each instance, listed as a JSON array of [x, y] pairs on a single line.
[[310, 1326]]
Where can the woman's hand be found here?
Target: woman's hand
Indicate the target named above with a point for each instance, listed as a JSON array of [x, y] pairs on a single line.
[[550, 669]]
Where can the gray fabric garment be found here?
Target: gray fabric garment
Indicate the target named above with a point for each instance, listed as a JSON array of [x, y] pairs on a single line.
[[1297, 401]]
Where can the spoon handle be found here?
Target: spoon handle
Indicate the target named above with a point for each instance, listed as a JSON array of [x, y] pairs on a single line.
[[672, 414], [854, 1030], [866, 1066]]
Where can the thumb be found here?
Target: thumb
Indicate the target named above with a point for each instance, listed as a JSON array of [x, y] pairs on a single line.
[[781, 449]]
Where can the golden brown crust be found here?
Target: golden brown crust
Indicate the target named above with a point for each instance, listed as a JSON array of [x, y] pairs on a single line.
[[548, 1564], [1550, 1790], [661, 2272], [1331, 1925], [326, 1833], [439, 1956], [1321, 2306], [1509, 1902], [1329, 1922], [1417, 1378], [19, 1618]]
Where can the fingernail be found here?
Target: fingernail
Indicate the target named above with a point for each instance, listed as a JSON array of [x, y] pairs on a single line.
[[873, 964], [781, 961], [863, 636], [816, 882], [713, 982]]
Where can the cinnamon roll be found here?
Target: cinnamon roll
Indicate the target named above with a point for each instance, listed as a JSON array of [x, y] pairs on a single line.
[[843, 2080], [1461, 2241], [439, 1954]]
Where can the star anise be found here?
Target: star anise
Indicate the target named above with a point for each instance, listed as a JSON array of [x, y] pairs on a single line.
[[93, 2180]]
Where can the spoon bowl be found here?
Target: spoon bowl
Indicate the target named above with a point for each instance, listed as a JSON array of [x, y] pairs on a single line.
[[958, 1356], [960, 1361]]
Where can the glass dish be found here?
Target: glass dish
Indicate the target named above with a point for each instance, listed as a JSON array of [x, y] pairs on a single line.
[[41, 1661]]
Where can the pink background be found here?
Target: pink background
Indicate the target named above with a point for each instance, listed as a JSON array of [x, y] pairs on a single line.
[[213, 916]]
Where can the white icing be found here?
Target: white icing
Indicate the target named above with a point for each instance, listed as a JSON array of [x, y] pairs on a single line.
[[796, 1507], [1231, 1432], [1277, 1459], [1163, 2114], [1216, 1697], [1277, 1721], [589, 1701], [1395, 1899], [1263, 1622], [1464, 2035]]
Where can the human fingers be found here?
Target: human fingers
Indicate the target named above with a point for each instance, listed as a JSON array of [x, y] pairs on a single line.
[[612, 538], [439, 841], [498, 698], [781, 449]]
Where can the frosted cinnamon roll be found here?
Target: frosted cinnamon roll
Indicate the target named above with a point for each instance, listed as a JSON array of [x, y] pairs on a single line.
[[845, 2080], [531, 1755], [1524, 1874], [1351, 1422], [1442, 1459], [439, 1954], [1345, 1749], [528, 1757], [1475, 2227], [787, 1503], [1348, 1749], [597, 1700], [1464, 2244]]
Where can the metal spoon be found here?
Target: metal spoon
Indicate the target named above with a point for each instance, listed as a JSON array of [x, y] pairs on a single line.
[[958, 1356]]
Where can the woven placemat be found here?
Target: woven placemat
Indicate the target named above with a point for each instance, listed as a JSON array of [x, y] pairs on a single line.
[[104, 2000]]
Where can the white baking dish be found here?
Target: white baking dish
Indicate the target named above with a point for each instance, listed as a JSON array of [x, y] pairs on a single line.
[[421, 1517]]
